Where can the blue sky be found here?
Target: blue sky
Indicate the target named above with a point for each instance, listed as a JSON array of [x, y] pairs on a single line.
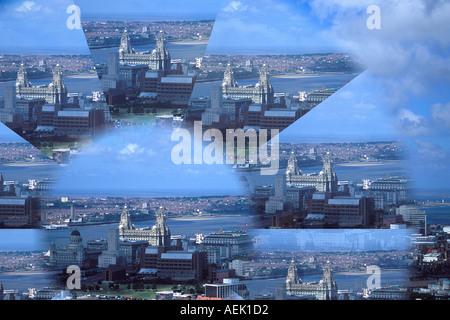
[[39, 27], [7, 135], [404, 91], [145, 9], [357, 112], [270, 27], [23, 240], [137, 162]]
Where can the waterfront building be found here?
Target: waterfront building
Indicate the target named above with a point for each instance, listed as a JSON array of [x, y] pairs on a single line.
[[73, 254], [157, 59], [325, 289], [262, 92], [399, 185], [325, 181], [390, 293], [55, 92], [225, 245], [158, 235], [317, 96]]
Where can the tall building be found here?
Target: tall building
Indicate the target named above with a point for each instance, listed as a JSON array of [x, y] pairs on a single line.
[[262, 92], [55, 92], [158, 235], [326, 289], [10, 98], [324, 181], [111, 256], [276, 202], [157, 59], [213, 114]]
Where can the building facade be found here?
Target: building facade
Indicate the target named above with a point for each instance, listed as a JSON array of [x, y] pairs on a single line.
[[262, 92], [158, 235], [326, 289], [324, 181], [55, 92], [157, 59]]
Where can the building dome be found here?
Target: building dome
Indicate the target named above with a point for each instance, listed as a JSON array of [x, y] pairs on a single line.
[[75, 233]]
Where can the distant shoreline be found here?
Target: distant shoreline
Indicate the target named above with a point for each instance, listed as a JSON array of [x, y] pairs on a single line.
[[291, 75], [368, 163], [206, 217], [181, 42], [364, 273], [26, 164], [195, 42], [24, 273], [82, 76], [310, 75]]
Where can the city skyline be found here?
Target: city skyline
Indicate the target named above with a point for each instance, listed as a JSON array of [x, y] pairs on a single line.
[[392, 99], [374, 143]]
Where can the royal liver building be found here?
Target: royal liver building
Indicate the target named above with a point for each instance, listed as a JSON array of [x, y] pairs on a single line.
[[55, 92], [157, 59], [262, 92], [324, 181], [325, 289], [158, 235]]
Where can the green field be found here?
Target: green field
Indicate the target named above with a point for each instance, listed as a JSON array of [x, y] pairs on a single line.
[[148, 117], [48, 150], [126, 290]]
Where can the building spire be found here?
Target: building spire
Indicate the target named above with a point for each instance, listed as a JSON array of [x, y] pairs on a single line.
[[292, 167], [125, 220], [125, 45], [22, 77], [228, 77], [292, 276]]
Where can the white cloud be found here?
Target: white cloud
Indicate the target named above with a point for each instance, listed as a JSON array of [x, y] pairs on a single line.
[[234, 6], [131, 148], [411, 124], [28, 6], [411, 47], [440, 114]]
